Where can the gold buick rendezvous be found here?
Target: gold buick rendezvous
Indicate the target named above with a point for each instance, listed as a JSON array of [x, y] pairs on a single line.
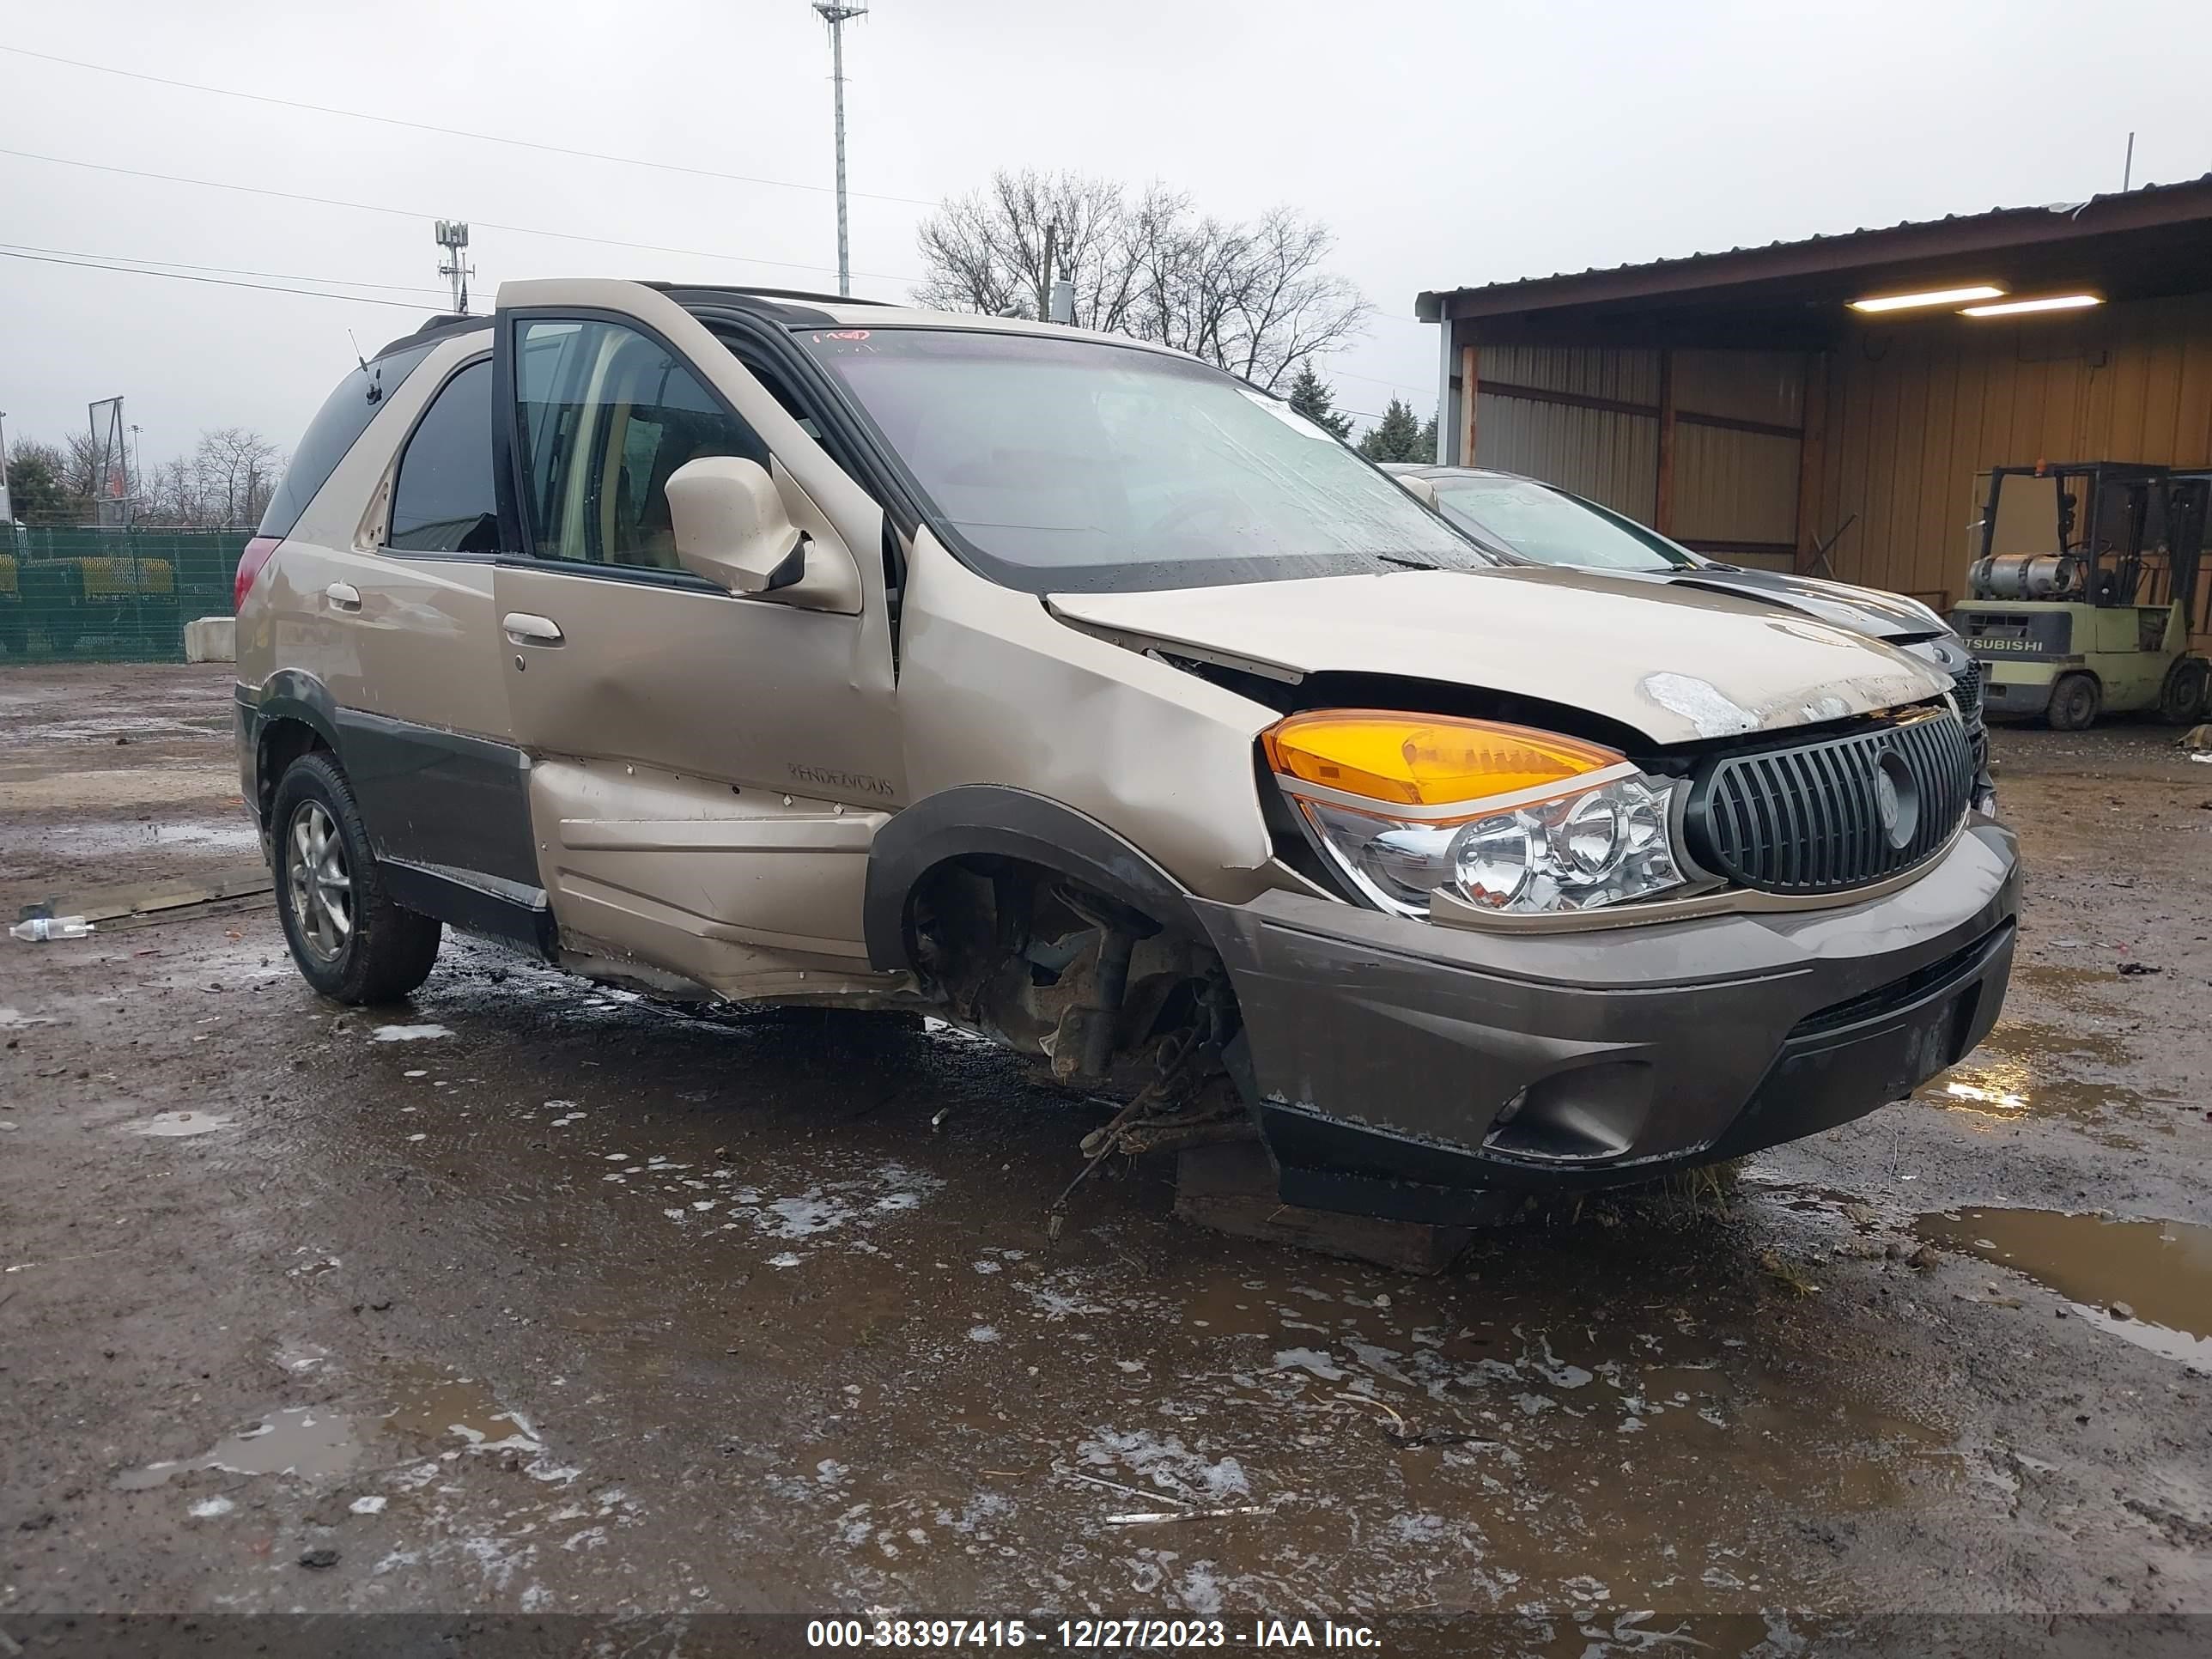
[[747, 646]]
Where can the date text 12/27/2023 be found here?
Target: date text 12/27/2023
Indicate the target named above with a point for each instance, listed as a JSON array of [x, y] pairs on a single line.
[[1087, 1635]]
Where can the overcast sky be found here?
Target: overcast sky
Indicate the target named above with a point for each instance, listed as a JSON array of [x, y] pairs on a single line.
[[1445, 144]]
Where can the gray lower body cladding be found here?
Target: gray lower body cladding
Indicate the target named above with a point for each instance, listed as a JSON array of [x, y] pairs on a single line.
[[1401, 1068]]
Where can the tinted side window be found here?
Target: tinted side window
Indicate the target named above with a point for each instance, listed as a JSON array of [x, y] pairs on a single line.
[[342, 419], [606, 415], [444, 501]]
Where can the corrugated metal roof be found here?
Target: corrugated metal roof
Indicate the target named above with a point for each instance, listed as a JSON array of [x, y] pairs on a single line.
[[1846, 249]]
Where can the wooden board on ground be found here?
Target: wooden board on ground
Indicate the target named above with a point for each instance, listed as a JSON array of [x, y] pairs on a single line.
[[147, 898], [1231, 1189]]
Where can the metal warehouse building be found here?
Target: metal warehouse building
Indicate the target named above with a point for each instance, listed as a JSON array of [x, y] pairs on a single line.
[[1741, 404]]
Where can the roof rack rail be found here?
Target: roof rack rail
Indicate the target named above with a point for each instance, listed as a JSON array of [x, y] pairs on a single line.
[[773, 293], [444, 322]]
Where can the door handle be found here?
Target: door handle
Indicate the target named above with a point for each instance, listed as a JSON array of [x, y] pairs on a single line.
[[342, 596], [524, 628]]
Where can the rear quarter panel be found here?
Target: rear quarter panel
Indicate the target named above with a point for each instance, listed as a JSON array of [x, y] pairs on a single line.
[[425, 645]]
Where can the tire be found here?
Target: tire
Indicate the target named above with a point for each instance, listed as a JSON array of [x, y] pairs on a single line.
[[2075, 702], [2181, 700], [349, 941]]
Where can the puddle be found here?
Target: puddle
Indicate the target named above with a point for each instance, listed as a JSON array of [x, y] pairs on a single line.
[[2000, 1093], [454, 1414], [446, 1409], [138, 727], [458, 1415], [2032, 1041], [410, 1033], [300, 1440], [2162, 1270], [2029, 1069], [118, 787], [2065, 984], [12, 1019], [170, 1125], [85, 839]]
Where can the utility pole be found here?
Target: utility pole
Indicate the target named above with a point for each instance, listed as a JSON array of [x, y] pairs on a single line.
[[7, 506], [2128, 168], [1044, 276], [836, 13], [454, 237]]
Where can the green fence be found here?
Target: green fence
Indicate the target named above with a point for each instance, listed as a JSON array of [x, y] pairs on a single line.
[[86, 595]]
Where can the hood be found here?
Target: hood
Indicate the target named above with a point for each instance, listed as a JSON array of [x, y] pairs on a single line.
[[1862, 610], [1677, 664]]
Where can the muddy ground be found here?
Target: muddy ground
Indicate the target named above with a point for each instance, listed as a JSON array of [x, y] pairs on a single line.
[[531, 1297]]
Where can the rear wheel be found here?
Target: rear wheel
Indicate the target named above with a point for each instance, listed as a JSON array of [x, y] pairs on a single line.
[[2074, 702], [348, 940], [2181, 700]]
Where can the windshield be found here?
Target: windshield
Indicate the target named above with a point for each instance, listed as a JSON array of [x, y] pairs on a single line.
[[1553, 527], [1070, 465]]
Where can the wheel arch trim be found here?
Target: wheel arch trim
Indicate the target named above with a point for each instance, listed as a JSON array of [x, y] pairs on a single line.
[[291, 694], [993, 820], [286, 695]]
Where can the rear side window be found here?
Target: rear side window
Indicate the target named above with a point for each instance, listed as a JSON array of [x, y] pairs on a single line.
[[342, 419], [444, 501]]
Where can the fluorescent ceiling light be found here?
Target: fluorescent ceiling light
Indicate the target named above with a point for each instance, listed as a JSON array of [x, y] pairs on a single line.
[[1940, 296], [2050, 302]]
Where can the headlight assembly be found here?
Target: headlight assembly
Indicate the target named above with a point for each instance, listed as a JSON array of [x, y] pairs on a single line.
[[1506, 818]]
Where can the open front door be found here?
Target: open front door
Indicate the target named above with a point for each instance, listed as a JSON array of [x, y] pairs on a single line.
[[707, 770]]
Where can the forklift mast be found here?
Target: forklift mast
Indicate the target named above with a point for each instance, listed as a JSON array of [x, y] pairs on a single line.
[[2188, 506], [2108, 515]]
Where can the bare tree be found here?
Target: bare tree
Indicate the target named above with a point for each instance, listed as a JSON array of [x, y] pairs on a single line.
[[225, 483], [173, 495], [1253, 297], [80, 465], [985, 252], [234, 469]]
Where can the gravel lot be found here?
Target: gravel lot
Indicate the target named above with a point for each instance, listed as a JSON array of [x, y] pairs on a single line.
[[532, 1297]]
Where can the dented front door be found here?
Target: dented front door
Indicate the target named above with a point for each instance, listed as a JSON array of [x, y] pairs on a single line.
[[708, 771]]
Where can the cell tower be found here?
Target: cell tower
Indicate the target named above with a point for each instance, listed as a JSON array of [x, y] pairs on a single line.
[[836, 13], [112, 476], [454, 237]]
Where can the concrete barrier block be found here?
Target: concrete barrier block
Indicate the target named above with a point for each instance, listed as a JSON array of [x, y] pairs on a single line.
[[211, 639]]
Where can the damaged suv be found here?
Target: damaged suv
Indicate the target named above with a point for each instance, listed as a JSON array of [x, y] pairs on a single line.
[[758, 648]]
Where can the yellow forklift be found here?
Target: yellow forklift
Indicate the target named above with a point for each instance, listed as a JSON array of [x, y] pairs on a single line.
[[2081, 595]]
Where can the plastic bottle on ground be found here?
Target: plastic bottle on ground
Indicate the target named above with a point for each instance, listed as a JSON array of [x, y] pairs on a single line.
[[45, 927]]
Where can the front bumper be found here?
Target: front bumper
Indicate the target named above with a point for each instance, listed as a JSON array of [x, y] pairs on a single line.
[[1406, 1069], [2025, 698]]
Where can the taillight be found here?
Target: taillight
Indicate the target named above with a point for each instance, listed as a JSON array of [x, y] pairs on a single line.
[[249, 566]]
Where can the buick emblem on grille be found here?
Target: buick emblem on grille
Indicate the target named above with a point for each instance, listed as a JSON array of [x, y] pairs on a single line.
[[1896, 799]]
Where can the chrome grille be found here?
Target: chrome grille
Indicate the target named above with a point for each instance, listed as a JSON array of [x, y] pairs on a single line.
[[1966, 684], [1824, 817]]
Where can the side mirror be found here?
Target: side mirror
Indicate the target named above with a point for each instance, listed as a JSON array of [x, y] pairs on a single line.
[[732, 526], [1423, 491]]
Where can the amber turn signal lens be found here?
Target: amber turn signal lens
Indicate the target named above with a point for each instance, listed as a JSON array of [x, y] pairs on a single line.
[[1410, 760]]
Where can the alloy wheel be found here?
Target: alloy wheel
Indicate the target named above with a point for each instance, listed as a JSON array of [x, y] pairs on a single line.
[[318, 886]]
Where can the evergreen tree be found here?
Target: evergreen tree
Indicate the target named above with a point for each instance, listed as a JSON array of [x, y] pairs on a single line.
[[1397, 436], [36, 491], [1428, 440], [1312, 396]]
